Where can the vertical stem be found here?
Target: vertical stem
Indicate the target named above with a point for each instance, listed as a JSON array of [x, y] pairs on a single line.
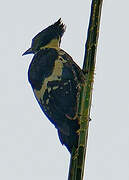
[[78, 162]]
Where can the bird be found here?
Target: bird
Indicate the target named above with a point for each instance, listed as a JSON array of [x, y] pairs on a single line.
[[56, 81]]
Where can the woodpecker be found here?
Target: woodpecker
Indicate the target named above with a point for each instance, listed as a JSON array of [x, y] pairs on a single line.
[[56, 81]]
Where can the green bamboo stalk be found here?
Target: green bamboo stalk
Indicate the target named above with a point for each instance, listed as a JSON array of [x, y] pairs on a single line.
[[76, 170]]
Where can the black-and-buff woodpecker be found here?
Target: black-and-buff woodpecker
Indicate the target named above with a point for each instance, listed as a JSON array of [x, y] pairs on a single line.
[[56, 80]]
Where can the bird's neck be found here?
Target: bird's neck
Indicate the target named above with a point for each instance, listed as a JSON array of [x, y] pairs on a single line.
[[54, 43]]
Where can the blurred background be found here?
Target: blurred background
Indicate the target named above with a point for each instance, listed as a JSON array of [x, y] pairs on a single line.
[[29, 145]]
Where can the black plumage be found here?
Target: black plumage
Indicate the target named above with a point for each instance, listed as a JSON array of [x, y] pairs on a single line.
[[56, 80]]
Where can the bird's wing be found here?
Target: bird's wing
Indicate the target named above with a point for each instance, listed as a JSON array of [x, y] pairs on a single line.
[[58, 96], [64, 93]]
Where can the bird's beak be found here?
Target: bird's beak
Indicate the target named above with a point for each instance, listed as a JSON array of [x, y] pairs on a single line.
[[29, 51]]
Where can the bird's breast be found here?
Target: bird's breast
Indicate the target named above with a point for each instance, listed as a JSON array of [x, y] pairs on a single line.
[[55, 76]]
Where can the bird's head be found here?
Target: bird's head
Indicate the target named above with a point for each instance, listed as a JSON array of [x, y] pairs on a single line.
[[48, 38]]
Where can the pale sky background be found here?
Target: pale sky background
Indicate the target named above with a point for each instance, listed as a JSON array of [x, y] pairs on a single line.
[[29, 145]]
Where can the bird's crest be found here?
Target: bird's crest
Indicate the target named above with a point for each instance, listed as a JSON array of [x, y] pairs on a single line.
[[58, 27], [49, 37]]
